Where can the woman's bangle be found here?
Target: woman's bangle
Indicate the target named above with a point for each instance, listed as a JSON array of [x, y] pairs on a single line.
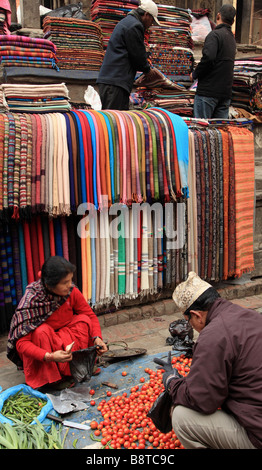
[[48, 357]]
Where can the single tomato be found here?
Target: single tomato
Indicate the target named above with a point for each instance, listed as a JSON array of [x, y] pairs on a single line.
[[93, 424]]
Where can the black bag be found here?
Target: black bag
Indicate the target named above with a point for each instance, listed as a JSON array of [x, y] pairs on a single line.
[[160, 412], [82, 364], [74, 10], [182, 336]]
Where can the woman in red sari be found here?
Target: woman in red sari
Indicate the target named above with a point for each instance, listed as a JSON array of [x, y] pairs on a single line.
[[51, 316]]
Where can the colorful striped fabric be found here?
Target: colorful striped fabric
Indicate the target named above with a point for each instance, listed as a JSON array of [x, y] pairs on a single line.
[[104, 154], [245, 197], [135, 199], [170, 45], [24, 51], [79, 43], [107, 14], [35, 98], [247, 86]]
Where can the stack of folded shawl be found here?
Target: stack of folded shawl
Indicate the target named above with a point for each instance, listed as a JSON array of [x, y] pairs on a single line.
[[36, 98], [108, 14], [23, 51], [170, 44], [79, 42], [159, 90], [247, 85], [3, 105]]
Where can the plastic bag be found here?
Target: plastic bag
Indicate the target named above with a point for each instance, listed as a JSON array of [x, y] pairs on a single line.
[[182, 336], [79, 392], [200, 28], [92, 98], [82, 364], [160, 412], [29, 391], [66, 406], [181, 328]]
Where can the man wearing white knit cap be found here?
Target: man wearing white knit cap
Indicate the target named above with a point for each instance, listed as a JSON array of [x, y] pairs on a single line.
[[218, 404], [125, 56]]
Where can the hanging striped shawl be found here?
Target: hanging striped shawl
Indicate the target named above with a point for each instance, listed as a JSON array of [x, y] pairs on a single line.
[[243, 143]]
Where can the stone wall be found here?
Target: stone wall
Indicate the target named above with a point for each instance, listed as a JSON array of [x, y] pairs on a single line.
[[168, 307]]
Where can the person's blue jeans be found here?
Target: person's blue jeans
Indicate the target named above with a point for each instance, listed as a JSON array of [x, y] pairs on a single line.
[[206, 107]]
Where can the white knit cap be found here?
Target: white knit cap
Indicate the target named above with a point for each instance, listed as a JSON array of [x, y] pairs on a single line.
[[151, 8], [188, 291]]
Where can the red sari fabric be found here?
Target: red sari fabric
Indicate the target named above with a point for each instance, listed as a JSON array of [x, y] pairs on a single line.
[[73, 321]]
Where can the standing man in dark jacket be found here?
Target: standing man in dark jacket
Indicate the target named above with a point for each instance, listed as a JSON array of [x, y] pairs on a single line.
[[215, 70], [125, 55], [218, 404]]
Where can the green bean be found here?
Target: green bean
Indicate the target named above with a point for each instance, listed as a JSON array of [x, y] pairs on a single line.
[[23, 406]]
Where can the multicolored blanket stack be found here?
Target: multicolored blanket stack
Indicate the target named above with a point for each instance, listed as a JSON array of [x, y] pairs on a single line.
[[170, 44], [35, 98], [3, 104], [247, 85], [79, 43], [23, 51], [108, 14], [162, 92]]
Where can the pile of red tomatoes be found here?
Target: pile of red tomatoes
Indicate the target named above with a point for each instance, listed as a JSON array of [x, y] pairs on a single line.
[[125, 424]]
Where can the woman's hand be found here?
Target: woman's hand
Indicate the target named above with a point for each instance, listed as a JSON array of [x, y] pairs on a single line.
[[58, 356], [99, 342]]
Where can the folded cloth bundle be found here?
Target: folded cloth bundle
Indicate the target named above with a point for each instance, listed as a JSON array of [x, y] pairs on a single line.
[[158, 90], [247, 85], [3, 104], [108, 14], [27, 52], [174, 61], [170, 45], [175, 27], [34, 98], [156, 79], [79, 43]]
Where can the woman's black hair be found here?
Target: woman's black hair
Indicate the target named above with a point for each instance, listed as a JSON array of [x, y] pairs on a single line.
[[55, 269], [204, 301]]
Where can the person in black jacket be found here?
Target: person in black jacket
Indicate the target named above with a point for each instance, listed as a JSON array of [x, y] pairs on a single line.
[[125, 55], [216, 69]]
